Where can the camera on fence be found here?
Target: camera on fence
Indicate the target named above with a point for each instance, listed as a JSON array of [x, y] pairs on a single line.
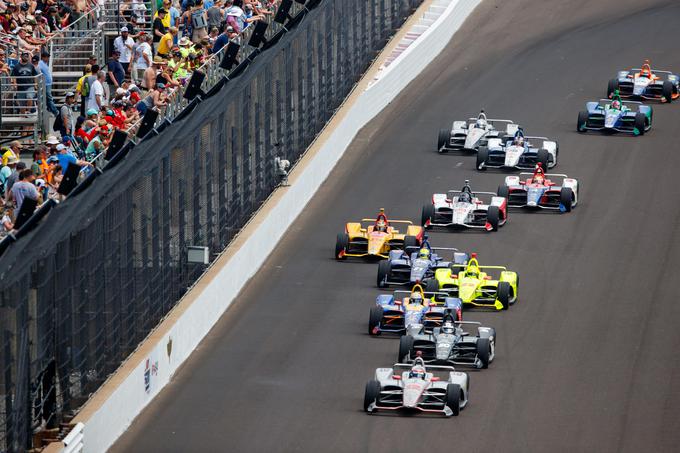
[[282, 166]]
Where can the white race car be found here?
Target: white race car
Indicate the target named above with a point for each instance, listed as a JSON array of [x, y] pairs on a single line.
[[518, 152], [416, 388], [465, 209], [473, 133]]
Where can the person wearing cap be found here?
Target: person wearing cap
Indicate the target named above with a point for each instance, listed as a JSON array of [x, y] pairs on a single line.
[[12, 151], [66, 159], [96, 98], [143, 57], [44, 68], [125, 45], [166, 19], [66, 112], [24, 81], [116, 74], [166, 42]]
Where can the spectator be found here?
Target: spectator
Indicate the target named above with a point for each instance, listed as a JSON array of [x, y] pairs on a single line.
[[12, 151], [23, 189], [23, 41], [66, 114], [5, 172], [158, 28], [250, 16], [223, 39], [199, 22], [24, 81], [13, 178], [216, 15], [53, 19], [44, 67], [7, 224], [79, 87], [174, 14], [166, 42], [66, 159], [166, 19], [96, 145], [52, 143], [96, 98], [39, 167], [212, 37], [153, 98], [234, 16], [116, 73], [143, 57], [86, 87], [124, 44], [132, 27], [4, 67]]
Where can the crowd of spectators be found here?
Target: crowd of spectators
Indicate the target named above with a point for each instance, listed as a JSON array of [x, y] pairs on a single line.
[[143, 71]]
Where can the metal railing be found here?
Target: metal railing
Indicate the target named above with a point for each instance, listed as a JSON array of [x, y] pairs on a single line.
[[112, 16], [23, 108]]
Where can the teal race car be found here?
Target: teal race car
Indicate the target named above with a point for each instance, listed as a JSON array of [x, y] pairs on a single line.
[[615, 116]]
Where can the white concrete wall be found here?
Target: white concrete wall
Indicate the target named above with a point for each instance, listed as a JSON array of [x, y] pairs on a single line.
[[132, 393]]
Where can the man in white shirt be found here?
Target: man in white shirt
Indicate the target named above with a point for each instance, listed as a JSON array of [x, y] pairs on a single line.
[[124, 44], [143, 57], [96, 98]]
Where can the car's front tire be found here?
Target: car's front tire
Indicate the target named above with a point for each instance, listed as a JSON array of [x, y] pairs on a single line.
[[427, 214], [405, 348], [484, 351], [341, 245], [503, 294], [453, 398], [374, 319], [371, 393], [582, 123], [493, 216], [384, 268], [640, 123], [443, 140], [567, 198], [667, 91], [482, 157]]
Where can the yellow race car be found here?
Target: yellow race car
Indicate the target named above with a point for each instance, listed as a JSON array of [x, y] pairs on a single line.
[[470, 283], [376, 237]]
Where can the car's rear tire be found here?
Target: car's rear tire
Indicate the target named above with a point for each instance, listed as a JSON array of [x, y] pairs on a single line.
[[503, 191], [374, 319], [543, 158], [453, 398], [484, 351], [493, 216], [372, 393], [503, 294], [431, 285], [567, 198], [482, 157], [640, 123], [341, 245], [443, 140], [667, 91], [427, 214], [405, 348], [612, 86], [582, 121], [384, 268], [410, 241]]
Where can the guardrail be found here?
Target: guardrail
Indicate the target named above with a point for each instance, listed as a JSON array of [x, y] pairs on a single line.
[[23, 108]]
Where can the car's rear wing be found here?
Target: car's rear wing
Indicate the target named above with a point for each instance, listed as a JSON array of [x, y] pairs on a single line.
[[547, 175], [653, 71], [406, 222], [493, 120], [622, 101], [474, 194], [531, 137], [426, 294], [408, 366], [464, 266]]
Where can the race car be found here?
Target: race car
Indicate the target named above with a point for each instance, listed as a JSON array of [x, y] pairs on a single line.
[[375, 238], [411, 311], [644, 83], [518, 152], [473, 286], [473, 133], [414, 387], [415, 265], [540, 192], [450, 344], [615, 116], [465, 209]]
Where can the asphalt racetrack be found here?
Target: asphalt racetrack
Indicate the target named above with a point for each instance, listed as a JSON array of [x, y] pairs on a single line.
[[587, 360]]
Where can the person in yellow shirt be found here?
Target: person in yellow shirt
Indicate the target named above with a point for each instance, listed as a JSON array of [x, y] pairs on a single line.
[[79, 86], [166, 43], [165, 19], [12, 151]]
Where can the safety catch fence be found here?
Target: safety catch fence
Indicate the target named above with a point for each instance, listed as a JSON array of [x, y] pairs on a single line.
[[88, 284]]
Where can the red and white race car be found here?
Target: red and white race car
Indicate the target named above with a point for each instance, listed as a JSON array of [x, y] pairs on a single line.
[[540, 192], [466, 209]]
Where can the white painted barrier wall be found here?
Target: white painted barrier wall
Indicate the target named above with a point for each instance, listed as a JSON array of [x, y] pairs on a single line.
[[153, 372]]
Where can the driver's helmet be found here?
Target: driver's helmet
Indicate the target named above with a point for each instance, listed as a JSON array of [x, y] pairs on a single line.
[[645, 71], [481, 122], [519, 140], [381, 225], [417, 372], [424, 254], [416, 298], [472, 271], [616, 104], [448, 327], [465, 197], [538, 178]]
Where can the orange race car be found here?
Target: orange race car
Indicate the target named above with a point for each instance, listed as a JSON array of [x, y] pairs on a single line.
[[645, 83], [376, 237]]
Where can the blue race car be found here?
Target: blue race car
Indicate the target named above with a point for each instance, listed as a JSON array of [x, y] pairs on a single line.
[[615, 116], [409, 312], [416, 265], [645, 83]]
